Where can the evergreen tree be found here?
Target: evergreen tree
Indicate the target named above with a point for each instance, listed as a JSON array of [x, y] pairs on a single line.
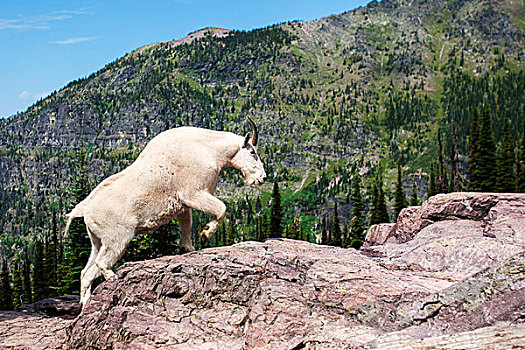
[[486, 155], [414, 200], [506, 179], [26, 277], [473, 159], [382, 208], [50, 263], [442, 177], [293, 229], [455, 177], [276, 215], [400, 200], [521, 165], [224, 234], [77, 245], [18, 286], [39, 278], [432, 188], [379, 212], [6, 293], [336, 230], [230, 237], [374, 213], [357, 225], [324, 232]]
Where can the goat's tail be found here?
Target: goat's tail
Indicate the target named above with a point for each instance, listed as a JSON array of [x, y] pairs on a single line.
[[77, 212]]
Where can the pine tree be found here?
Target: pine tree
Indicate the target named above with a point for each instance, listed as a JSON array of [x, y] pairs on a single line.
[[374, 213], [18, 286], [432, 189], [276, 215], [455, 177], [414, 200], [324, 232], [400, 200], [26, 277], [230, 237], [486, 155], [506, 179], [293, 229], [442, 177], [379, 212], [224, 234], [50, 263], [382, 208], [336, 230], [77, 245], [521, 166], [6, 293], [39, 278], [357, 225], [473, 159]]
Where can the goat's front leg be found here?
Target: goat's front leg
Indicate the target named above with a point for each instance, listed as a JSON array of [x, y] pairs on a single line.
[[208, 204]]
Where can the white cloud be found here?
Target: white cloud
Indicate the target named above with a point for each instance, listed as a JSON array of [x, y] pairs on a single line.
[[74, 40], [42, 21], [24, 95], [42, 95]]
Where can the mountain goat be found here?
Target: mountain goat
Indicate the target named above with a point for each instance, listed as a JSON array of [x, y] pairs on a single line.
[[177, 171]]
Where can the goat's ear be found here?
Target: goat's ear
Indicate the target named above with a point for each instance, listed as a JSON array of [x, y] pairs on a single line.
[[246, 140]]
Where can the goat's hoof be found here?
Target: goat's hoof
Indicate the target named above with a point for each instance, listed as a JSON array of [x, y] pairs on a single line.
[[187, 249]]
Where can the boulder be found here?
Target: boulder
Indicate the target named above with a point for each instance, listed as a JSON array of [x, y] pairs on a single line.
[[28, 331], [378, 234], [409, 222], [65, 306], [284, 294]]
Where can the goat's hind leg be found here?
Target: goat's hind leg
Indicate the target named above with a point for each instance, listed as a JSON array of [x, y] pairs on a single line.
[[90, 272], [111, 251], [185, 222]]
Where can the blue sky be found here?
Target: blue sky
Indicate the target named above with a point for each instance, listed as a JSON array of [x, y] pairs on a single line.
[[46, 44]]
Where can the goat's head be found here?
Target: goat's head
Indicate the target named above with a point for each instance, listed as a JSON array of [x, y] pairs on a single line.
[[247, 160]]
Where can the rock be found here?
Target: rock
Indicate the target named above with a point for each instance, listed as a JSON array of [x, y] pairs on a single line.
[[289, 294], [378, 234], [409, 222], [494, 337], [66, 306], [463, 205], [27, 331], [253, 295], [449, 249], [450, 286]]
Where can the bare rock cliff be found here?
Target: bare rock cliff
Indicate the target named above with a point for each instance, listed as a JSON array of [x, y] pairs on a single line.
[[451, 272]]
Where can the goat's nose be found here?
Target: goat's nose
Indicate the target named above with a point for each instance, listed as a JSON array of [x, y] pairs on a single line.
[[264, 178]]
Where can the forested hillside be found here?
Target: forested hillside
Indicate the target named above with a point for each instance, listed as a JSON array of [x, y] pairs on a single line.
[[413, 95]]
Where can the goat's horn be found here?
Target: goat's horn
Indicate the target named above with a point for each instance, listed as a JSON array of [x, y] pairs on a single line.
[[255, 133]]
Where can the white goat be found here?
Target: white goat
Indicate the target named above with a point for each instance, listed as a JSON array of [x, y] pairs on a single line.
[[176, 171]]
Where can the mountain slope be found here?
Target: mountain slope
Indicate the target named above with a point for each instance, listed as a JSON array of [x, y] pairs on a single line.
[[345, 93]]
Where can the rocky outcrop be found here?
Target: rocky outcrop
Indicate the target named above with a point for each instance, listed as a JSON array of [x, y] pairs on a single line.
[[458, 283], [30, 331], [498, 214], [65, 306], [445, 284]]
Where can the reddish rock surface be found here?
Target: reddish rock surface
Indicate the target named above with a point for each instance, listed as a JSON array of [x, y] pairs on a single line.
[[457, 282]]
